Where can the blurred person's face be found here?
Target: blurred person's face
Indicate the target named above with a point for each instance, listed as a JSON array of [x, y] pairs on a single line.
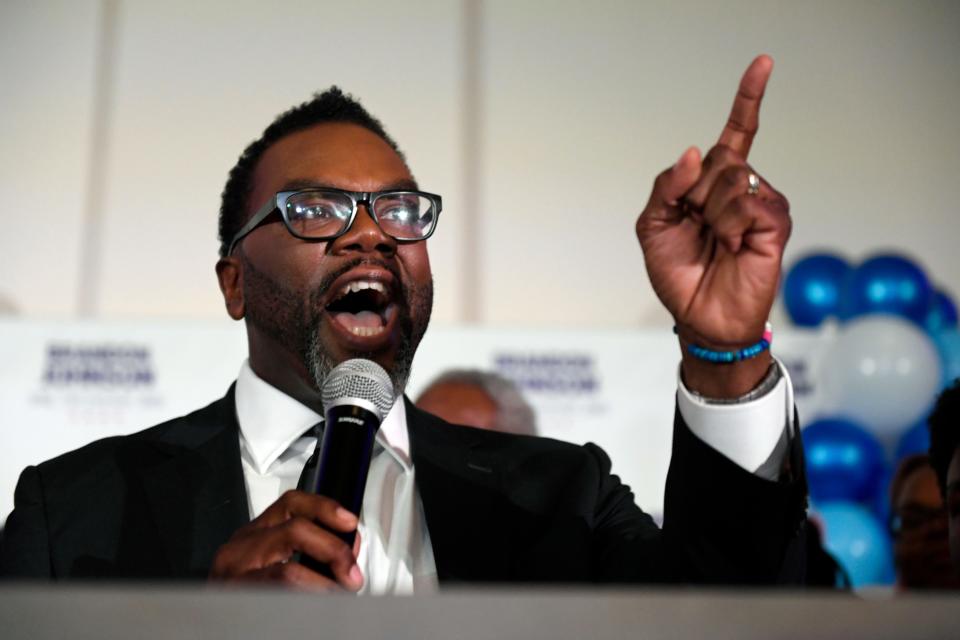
[[311, 305], [921, 549], [460, 404], [953, 508]]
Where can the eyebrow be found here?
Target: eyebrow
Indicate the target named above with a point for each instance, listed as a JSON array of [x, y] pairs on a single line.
[[306, 183], [917, 506]]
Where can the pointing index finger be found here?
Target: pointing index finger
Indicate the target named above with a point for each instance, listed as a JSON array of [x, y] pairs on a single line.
[[744, 117]]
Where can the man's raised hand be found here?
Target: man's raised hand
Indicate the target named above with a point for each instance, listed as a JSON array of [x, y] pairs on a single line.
[[713, 249]]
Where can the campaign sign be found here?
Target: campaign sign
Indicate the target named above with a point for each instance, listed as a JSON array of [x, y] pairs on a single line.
[[65, 384]]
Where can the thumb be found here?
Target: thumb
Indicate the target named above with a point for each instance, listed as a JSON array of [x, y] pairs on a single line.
[[671, 185]]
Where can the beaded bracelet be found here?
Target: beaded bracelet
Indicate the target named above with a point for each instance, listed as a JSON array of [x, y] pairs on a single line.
[[722, 357]]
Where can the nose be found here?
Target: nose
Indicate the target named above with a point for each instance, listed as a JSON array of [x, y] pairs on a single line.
[[364, 236]]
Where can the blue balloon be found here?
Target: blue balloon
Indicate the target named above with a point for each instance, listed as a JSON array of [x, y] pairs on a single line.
[[813, 287], [844, 461], [942, 313], [887, 284], [879, 504], [948, 344], [858, 541], [914, 440]]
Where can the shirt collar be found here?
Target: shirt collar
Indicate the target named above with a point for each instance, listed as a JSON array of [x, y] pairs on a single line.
[[271, 421], [393, 435]]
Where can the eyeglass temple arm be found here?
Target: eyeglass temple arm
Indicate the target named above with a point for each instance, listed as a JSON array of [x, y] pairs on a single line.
[[252, 223]]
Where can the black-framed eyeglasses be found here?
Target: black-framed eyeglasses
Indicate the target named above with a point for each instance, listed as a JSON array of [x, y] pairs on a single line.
[[327, 213]]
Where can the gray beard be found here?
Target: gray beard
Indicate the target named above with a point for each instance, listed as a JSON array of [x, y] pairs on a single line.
[[320, 364], [294, 322]]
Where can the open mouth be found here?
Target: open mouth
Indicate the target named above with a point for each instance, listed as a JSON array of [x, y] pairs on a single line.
[[365, 308]]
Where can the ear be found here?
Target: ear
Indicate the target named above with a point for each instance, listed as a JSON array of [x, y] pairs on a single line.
[[230, 276]]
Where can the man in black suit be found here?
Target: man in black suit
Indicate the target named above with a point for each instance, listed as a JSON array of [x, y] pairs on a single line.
[[323, 255]]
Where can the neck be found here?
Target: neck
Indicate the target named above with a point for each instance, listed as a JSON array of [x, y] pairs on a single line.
[[282, 369]]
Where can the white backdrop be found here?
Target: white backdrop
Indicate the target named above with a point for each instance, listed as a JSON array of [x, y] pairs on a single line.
[[66, 384], [574, 108]]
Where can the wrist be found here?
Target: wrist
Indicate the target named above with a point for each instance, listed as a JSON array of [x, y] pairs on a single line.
[[769, 382], [721, 379], [724, 381]]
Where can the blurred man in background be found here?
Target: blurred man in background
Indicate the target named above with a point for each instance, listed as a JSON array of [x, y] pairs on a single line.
[[945, 458], [479, 399], [919, 528]]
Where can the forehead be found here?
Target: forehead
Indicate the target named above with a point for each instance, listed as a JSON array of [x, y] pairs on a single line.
[[920, 487], [460, 394], [463, 388], [335, 154]]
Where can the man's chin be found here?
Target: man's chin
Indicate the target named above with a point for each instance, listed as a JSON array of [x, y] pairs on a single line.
[[334, 347]]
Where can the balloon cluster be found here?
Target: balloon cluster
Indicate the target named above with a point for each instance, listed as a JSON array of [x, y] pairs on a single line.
[[897, 346]]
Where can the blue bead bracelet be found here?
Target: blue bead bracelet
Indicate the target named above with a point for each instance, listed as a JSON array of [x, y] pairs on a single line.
[[723, 357]]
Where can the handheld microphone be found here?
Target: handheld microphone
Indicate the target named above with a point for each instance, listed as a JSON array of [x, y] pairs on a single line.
[[357, 395]]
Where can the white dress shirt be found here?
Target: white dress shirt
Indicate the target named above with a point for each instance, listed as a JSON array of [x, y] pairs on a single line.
[[750, 434], [395, 552], [396, 556]]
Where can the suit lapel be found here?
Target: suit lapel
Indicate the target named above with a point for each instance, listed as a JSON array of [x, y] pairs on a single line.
[[197, 495], [460, 483]]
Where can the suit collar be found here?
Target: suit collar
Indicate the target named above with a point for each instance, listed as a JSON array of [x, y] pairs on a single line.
[[197, 495], [497, 505], [453, 449]]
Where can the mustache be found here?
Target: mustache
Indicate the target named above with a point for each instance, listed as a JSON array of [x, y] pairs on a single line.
[[317, 294]]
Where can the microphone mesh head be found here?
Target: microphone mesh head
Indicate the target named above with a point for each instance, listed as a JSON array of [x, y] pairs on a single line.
[[362, 379]]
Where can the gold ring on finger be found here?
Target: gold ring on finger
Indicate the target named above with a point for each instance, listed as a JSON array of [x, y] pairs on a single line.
[[753, 184]]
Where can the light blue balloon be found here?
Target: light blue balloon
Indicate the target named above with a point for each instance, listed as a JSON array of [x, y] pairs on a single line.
[[948, 344], [857, 540], [942, 313]]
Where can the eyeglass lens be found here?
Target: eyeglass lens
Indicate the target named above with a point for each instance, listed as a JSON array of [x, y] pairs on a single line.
[[318, 214]]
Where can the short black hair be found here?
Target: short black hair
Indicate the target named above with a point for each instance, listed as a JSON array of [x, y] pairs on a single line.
[[944, 425], [331, 105]]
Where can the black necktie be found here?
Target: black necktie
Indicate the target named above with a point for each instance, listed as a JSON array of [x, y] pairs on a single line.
[[308, 482], [308, 477]]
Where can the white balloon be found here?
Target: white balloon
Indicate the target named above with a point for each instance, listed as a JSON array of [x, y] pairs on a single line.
[[882, 371]]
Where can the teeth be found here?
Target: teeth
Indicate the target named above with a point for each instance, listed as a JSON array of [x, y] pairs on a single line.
[[366, 331], [359, 285]]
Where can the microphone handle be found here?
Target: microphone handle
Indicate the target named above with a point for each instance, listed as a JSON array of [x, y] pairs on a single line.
[[343, 464]]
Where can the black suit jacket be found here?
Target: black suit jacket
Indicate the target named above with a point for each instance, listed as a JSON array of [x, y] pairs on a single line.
[[499, 508]]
